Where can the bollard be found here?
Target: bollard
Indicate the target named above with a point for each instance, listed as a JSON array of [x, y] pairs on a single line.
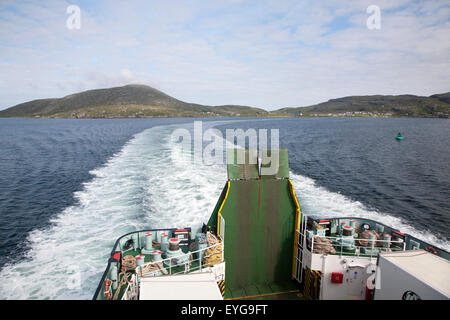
[[148, 243], [156, 255], [164, 240]]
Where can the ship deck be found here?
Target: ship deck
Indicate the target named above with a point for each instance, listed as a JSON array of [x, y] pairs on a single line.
[[272, 291], [257, 215]]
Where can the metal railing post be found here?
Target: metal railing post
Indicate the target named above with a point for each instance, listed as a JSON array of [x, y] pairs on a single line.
[[187, 268]]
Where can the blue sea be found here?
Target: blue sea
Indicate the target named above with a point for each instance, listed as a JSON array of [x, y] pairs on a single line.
[[70, 188]]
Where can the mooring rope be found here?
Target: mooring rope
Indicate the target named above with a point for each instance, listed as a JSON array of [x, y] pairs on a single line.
[[128, 263]]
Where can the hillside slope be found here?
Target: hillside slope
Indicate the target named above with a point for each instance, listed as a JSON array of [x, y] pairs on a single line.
[[126, 101], [135, 101], [402, 105]]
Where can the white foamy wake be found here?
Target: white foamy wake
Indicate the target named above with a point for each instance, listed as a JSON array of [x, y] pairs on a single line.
[[138, 188], [150, 183]]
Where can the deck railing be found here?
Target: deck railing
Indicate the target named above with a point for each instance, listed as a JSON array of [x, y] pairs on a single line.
[[339, 243], [169, 263], [131, 292]]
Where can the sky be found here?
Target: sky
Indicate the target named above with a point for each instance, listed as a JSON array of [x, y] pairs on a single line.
[[260, 53]]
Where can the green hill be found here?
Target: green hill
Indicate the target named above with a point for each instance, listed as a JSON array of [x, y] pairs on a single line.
[[377, 105], [136, 101], [445, 97], [131, 101]]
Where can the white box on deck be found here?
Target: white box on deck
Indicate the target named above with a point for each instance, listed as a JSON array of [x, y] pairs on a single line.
[[191, 286], [412, 274]]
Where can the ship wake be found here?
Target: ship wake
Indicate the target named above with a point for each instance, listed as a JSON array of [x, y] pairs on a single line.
[[150, 183]]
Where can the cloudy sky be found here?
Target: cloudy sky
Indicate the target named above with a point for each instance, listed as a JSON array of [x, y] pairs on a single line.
[[267, 54]]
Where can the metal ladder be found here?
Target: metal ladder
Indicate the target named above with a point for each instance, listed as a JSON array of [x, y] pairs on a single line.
[[301, 241]]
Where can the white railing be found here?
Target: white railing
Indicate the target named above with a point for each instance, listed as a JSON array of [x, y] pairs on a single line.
[[131, 292], [340, 243], [301, 241], [168, 263]]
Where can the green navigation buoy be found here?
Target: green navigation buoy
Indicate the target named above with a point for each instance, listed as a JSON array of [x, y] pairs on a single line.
[[399, 136]]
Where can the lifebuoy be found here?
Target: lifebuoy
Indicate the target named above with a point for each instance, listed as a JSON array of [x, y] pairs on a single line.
[[108, 289], [432, 250]]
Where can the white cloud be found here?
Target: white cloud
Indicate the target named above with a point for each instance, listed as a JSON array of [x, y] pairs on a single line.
[[265, 54], [101, 80]]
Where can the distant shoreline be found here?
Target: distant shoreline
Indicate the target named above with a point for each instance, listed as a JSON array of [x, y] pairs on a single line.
[[238, 117], [141, 101]]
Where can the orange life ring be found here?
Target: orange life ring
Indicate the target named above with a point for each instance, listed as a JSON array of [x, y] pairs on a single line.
[[108, 289], [432, 250]]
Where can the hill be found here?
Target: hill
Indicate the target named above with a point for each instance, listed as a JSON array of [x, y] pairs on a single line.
[[130, 101], [437, 105], [140, 101]]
